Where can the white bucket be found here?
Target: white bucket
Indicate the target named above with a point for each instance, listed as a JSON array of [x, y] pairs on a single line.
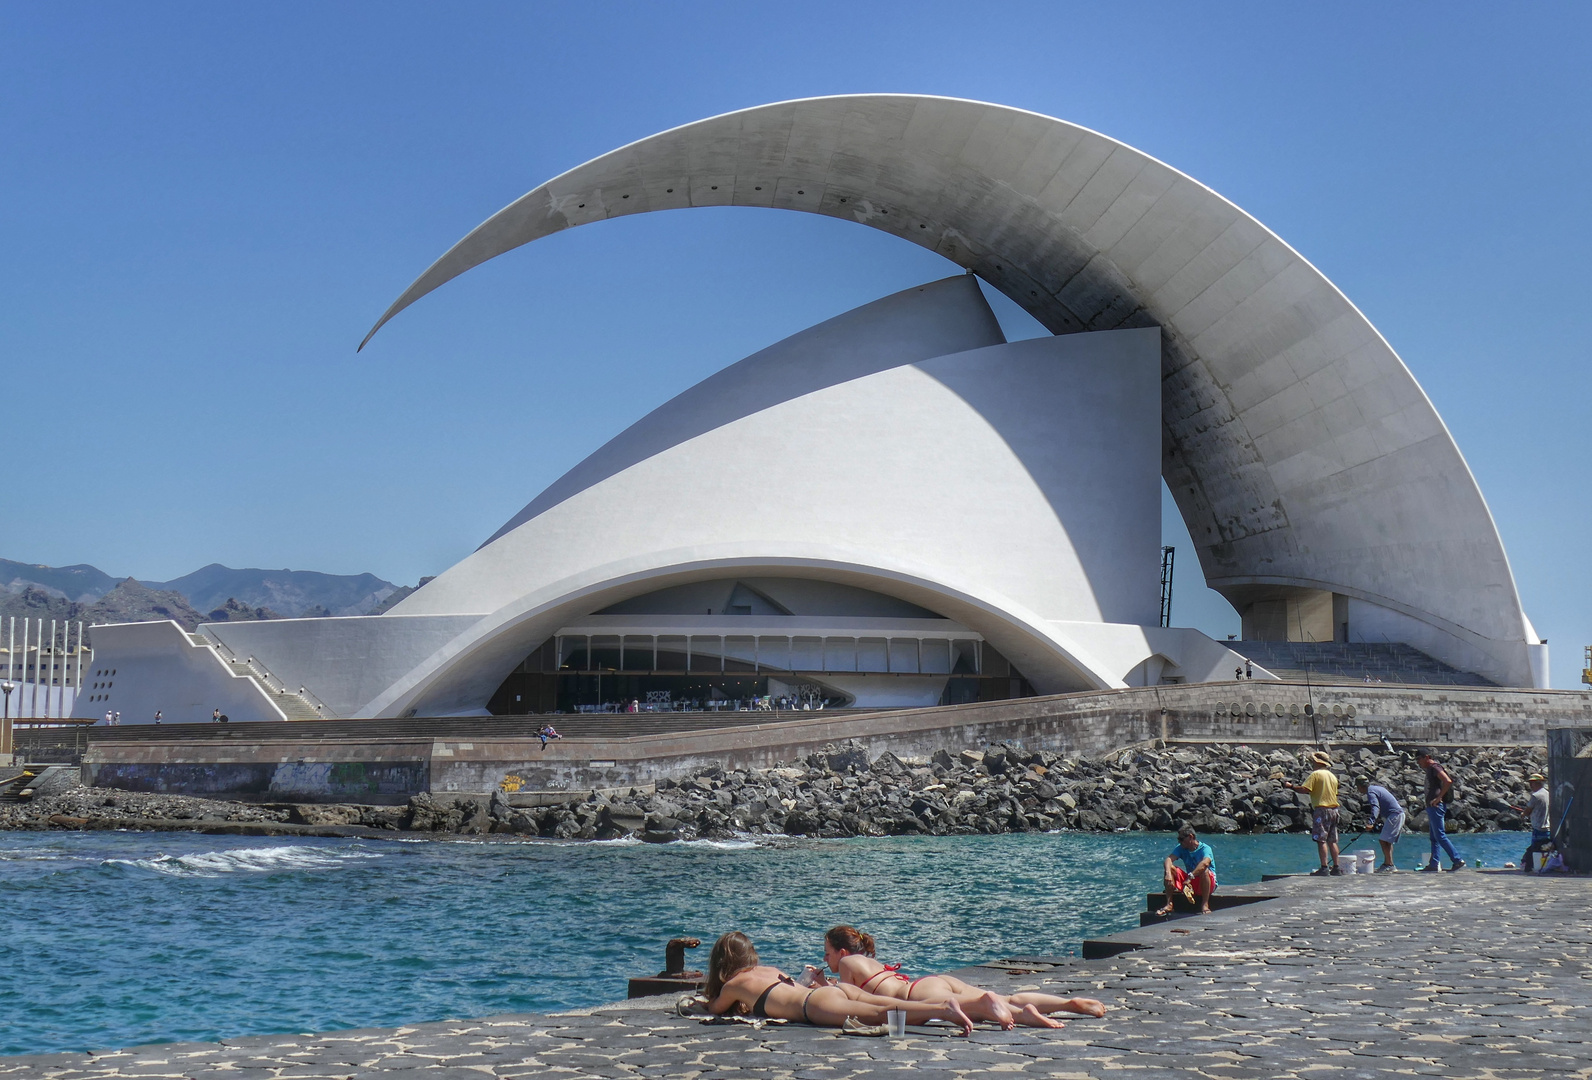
[[1366, 861]]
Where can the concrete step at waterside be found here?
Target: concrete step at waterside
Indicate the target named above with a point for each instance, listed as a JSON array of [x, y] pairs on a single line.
[[1181, 908]]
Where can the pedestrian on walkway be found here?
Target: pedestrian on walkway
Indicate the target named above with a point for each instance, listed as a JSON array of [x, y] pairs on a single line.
[[1439, 790], [1541, 819], [1382, 807], [1322, 787]]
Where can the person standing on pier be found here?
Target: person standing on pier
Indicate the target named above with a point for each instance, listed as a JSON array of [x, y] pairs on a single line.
[[1382, 807], [1322, 787], [1190, 869], [1541, 819], [1439, 788]]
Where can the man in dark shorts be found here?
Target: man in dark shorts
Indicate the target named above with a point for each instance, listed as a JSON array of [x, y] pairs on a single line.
[[1322, 787], [1438, 786]]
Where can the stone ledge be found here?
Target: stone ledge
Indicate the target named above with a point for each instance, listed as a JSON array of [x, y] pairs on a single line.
[[1458, 975]]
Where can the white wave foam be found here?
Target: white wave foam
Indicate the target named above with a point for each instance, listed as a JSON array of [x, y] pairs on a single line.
[[262, 860]]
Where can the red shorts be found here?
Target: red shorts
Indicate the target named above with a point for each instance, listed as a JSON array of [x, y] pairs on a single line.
[[1181, 878]]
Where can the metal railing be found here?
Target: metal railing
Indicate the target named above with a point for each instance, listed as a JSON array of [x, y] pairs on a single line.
[[270, 682]]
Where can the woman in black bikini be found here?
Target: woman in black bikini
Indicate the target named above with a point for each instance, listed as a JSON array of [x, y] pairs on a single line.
[[738, 982], [849, 953]]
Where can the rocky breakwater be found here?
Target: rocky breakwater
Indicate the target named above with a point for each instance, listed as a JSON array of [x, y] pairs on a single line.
[[840, 792]]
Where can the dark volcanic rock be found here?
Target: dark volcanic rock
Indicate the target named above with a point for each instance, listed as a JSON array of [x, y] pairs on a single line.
[[840, 792]]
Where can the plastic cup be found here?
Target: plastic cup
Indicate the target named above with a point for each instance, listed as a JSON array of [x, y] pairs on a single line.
[[896, 1020]]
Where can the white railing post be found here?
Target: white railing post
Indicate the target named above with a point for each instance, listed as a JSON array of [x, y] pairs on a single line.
[[49, 687], [33, 704]]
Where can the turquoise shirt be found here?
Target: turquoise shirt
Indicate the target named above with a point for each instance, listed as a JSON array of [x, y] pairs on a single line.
[[1191, 859]]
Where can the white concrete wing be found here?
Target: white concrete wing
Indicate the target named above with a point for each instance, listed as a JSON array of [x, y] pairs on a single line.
[[1005, 487], [1300, 450]]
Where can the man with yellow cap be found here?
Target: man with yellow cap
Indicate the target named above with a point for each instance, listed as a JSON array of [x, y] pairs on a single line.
[[1541, 830], [1322, 787]]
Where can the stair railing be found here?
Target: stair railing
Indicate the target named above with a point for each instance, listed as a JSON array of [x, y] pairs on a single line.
[[271, 682]]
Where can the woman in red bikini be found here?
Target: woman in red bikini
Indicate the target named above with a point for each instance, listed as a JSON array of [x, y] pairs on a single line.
[[850, 954], [737, 982]]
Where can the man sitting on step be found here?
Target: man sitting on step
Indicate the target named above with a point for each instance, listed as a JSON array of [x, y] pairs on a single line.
[[1189, 869]]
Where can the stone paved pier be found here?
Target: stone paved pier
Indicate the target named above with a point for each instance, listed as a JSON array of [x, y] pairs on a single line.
[[1455, 975]]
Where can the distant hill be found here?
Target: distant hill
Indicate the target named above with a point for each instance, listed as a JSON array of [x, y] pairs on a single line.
[[291, 593], [215, 593], [81, 583], [132, 601]]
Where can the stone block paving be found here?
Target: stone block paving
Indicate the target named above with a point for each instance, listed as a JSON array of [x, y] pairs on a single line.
[[1485, 976]]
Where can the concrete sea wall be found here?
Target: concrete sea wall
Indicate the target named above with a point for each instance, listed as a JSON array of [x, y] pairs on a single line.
[[376, 761]]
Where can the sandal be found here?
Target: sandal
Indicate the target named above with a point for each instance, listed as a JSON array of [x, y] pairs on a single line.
[[1165, 911]]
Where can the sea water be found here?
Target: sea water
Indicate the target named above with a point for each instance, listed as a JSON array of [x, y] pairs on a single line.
[[118, 939]]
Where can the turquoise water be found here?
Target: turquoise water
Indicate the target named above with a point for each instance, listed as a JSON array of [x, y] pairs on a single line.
[[116, 939]]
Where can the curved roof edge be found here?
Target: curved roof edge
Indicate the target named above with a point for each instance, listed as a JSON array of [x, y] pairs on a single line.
[[1298, 445]]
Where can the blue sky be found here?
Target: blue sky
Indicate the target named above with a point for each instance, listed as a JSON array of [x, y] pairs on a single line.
[[204, 207]]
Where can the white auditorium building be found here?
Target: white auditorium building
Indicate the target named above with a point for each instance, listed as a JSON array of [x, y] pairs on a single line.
[[897, 507]]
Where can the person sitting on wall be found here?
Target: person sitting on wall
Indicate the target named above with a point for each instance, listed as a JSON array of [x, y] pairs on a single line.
[[1190, 871], [548, 732]]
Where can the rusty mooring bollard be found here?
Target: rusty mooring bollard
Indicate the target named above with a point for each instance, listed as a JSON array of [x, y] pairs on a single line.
[[674, 978]]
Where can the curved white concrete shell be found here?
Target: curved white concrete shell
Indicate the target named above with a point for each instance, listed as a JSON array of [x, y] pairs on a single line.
[[902, 448], [1302, 453]]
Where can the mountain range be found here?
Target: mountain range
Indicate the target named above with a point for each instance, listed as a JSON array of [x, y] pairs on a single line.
[[214, 593]]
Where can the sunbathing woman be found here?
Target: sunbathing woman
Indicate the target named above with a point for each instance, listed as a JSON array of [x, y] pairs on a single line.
[[850, 954], [737, 982]]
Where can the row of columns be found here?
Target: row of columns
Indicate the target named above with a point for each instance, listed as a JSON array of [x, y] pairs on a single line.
[[29, 677]]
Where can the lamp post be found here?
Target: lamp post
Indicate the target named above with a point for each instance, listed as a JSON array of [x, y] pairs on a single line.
[[6, 687]]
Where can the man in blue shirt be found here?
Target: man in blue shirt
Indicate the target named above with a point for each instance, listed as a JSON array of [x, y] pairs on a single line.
[[1383, 807], [1189, 869]]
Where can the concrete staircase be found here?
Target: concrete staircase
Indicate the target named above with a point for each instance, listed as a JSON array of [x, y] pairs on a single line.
[[294, 706], [1355, 661]]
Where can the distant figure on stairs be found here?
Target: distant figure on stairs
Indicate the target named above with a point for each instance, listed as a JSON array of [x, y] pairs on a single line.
[[547, 732]]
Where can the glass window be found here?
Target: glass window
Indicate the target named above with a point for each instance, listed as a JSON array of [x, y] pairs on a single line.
[[773, 653], [638, 652], [740, 654], [706, 654], [964, 657], [605, 652], [840, 654], [673, 654], [994, 662], [873, 654], [936, 656], [904, 654], [573, 653], [807, 654]]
